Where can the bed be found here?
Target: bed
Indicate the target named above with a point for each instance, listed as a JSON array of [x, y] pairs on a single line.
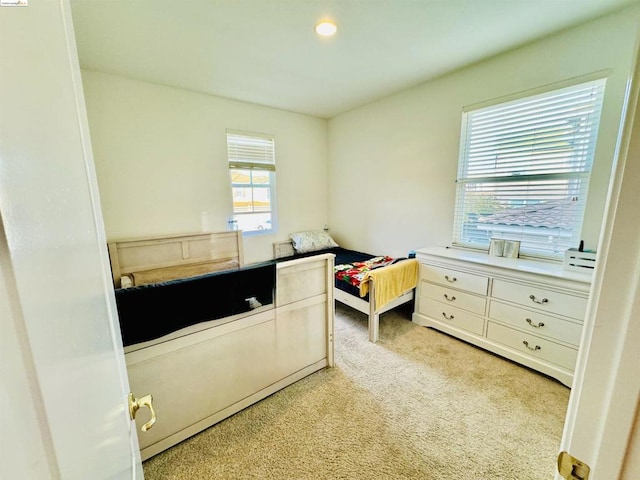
[[385, 283], [208, 336]]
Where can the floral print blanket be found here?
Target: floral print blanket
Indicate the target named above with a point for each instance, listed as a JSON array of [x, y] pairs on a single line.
[[353, 273]]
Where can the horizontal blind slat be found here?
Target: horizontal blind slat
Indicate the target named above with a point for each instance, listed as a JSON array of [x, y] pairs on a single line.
[[564, 96], [244, 150], [540, 115]]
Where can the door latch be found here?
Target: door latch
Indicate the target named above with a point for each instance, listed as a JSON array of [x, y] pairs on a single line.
[[571, 468], [136, 403]]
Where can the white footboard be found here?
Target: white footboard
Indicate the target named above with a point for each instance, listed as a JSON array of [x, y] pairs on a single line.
[[199, 379]]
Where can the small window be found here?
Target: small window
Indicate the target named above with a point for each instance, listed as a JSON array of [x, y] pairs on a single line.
[[524, 170], [252, 170]]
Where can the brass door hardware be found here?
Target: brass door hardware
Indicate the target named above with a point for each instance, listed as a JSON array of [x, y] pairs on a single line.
[[136, 403], [571, 468]]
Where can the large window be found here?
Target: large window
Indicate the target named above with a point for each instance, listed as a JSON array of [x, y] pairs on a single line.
[[252, 169], [524, 170]]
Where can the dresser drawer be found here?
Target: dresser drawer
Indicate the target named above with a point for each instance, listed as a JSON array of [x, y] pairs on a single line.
[[540, 298], [456, 317], [455, 279], [455, 298], [535, 347], [537, 323]]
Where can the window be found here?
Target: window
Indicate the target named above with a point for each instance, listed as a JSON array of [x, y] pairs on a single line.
[[252, 169], [524, 170]]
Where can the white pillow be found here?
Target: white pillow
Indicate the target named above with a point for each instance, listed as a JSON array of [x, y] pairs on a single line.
[[311, 241], [126, 281]]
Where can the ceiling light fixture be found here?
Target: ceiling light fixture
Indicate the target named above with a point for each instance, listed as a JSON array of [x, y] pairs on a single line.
[[326, 28]]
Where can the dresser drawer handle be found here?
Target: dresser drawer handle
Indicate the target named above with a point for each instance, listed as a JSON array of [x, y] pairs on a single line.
[[450, 317], [530, 322], [449, 298], [450, 280], [526, 344], [533, 299]]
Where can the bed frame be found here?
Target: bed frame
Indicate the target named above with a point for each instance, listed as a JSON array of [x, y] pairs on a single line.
[[285, 249], [207, 372], [162, 254]]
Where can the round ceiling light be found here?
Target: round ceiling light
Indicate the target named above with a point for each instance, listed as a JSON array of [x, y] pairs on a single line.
[[326, 28]]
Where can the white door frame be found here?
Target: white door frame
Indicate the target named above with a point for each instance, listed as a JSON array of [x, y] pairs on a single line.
[[64, 402], [606, 390]]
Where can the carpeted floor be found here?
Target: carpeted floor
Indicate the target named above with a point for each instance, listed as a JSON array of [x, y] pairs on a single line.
[[417, 405]]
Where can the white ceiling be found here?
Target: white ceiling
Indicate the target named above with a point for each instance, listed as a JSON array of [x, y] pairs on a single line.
[[266, 52]]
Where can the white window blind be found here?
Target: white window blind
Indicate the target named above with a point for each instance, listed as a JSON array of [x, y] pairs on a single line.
[[251, 151], [252, 168], [524, 170]]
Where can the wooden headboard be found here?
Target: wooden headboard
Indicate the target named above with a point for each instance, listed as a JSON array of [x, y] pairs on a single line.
[[283, 249], [169, 254]]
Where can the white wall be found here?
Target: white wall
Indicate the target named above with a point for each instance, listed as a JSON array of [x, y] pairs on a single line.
[[161, 160], [393, 163]]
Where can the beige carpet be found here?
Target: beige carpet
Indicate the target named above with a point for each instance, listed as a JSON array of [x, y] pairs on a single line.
[[416, 405]]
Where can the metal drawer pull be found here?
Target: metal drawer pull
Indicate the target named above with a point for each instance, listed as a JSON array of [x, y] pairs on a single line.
[[530, 322], [450, 317], [526, 344], [533, 299], [449, 298], [450, 280]]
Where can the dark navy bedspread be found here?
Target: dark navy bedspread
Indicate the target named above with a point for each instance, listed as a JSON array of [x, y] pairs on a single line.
[[151, 311], [342, 256]]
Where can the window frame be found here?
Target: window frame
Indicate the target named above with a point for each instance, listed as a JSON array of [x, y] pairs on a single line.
[[503, 182], [261, 159]]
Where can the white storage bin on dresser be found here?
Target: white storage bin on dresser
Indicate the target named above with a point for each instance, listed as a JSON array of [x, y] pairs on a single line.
[[528, 311]]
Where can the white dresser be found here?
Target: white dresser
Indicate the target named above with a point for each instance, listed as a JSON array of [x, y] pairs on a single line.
[[528, 311]]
